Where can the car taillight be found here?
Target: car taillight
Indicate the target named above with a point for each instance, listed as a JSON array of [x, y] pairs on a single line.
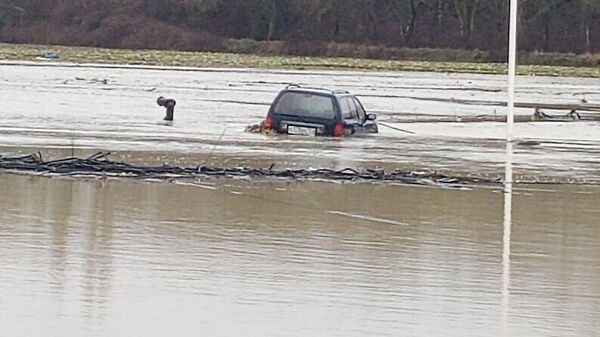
[[340, 130], [268, 122]]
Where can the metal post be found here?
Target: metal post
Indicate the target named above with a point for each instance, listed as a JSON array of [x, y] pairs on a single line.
[[512, 72], [508, 180]]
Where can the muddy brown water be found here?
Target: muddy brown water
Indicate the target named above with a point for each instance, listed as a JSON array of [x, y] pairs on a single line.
[[124, 258], [229, 257]]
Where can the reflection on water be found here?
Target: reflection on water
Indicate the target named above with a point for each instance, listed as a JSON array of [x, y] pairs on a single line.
[[506, 238], [114, 258]]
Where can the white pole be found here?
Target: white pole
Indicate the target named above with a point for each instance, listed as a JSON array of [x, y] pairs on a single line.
[[512, 72], [512, 66], [508, 180]]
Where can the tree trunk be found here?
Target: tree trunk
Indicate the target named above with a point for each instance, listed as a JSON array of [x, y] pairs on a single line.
[[546, 23], [272, 21], [373, 24], [440, 13], [272, 27], [336, 29], [472, 17], [588, 40], [587, 17], [409, 28]]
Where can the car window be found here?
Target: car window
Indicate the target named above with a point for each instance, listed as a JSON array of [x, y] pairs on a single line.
[[345, 108], [305, 105], [348, 108], [362, 115]]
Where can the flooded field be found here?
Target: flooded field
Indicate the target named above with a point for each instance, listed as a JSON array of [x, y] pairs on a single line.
[[227, 257], [82, 109], [116, 258]]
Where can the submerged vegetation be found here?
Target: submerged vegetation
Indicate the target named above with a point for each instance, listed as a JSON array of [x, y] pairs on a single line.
[[207, 59]]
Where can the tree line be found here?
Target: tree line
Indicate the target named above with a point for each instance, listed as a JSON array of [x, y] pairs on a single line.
[[546, 25]]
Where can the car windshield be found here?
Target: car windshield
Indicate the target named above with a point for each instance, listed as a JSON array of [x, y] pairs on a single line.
[[305, 104]]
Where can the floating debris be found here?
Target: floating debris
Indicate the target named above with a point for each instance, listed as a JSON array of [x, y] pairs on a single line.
[[539, 115], [259, 128], [49, 56], [98, 165]]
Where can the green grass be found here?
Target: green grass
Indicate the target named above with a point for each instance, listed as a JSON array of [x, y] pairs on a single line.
[[205, 59]]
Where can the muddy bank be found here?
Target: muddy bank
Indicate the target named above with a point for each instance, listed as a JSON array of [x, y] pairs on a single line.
[[440, 61]]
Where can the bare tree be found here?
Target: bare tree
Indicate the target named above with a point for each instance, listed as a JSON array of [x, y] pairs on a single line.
[[466, 13]]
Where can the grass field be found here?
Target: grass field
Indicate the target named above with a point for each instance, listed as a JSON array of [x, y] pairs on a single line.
[[205, 59]]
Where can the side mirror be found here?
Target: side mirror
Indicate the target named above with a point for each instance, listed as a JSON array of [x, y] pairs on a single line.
[[371, 117]]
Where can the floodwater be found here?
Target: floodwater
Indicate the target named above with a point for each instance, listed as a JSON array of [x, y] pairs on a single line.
[[235, 258], [227, 257], [113, 108]]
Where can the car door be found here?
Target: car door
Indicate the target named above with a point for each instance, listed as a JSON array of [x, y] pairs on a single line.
[[350, 114], [367, 125], [362, 115]]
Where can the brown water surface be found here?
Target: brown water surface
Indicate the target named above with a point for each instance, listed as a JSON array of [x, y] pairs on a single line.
[[235, 258]]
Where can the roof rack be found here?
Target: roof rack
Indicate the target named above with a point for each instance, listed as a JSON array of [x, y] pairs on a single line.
[[294, 85], [341, 92]]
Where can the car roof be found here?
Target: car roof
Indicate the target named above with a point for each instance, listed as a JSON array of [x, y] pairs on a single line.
[[314, 90]]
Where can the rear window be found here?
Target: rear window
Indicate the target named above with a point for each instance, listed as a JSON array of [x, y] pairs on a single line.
[[305, 105]]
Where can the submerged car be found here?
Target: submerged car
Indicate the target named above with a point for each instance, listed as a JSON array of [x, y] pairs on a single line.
[[309, 111]]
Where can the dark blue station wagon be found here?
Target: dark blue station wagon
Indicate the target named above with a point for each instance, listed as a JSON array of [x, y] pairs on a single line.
[[318, 112]]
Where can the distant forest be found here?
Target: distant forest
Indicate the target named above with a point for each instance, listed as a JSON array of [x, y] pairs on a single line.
[[305, 27]]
